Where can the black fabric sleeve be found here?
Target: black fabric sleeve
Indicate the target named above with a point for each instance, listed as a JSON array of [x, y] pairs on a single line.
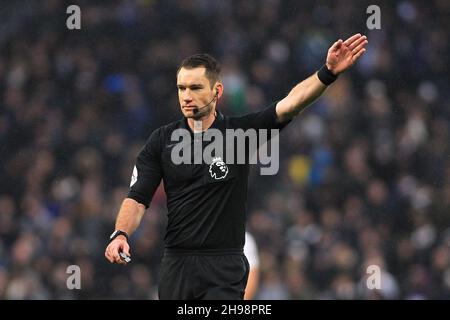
[[147, 172], [264, 119]]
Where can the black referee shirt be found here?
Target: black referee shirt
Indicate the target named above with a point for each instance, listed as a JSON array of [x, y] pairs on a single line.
[[204, 212]]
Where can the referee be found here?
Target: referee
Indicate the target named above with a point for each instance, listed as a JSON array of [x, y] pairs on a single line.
[[203, 257]]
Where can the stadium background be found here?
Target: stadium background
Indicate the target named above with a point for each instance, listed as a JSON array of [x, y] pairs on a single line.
[[364, 176]]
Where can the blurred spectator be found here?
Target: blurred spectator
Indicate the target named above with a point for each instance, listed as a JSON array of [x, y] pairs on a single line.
[[364, 173]]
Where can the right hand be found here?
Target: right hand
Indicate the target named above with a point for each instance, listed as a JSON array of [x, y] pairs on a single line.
[[117, 245]]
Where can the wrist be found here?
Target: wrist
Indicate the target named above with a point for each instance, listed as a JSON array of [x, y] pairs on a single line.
[[122, 237], [118, 234], [326, 76], [331, 69]]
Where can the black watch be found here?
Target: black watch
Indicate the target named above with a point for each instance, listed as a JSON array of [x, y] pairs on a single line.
[[117, 233]]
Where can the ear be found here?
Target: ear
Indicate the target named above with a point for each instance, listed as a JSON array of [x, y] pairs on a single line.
[[219, 90]]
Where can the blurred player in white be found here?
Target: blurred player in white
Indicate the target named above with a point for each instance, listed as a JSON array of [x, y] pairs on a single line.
[[251, 252]]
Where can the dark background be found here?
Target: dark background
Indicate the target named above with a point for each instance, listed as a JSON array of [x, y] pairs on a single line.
[[364, 172]]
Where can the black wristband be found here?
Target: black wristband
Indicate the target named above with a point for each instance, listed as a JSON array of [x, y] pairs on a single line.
[[117, 233], [326, 76]]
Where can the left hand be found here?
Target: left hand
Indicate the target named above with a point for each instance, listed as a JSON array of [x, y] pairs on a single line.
[[343, 54]]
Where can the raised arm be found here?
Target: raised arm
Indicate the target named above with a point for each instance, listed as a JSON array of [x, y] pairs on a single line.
[[341, 56]]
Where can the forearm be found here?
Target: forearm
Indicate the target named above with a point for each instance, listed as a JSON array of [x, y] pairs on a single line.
[[301, 96], [130, 215], [341, 56]]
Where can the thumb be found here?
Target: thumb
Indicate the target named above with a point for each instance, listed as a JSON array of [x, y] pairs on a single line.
[[336, 45], [126, 249]]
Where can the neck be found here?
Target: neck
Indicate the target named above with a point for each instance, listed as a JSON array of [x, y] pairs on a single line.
[[206, 121]]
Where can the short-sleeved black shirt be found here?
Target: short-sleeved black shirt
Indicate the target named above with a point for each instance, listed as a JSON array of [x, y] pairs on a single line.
[[205, 211]]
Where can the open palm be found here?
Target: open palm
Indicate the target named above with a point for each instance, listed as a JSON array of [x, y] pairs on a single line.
[[343, 54]]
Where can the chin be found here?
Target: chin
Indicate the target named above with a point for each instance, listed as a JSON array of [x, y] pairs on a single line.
[[198, 115], [190, 114]]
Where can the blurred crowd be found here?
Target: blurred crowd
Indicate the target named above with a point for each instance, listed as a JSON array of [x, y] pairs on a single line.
[[364, 177]]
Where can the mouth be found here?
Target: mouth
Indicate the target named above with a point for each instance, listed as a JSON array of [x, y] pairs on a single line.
[[189, 108]]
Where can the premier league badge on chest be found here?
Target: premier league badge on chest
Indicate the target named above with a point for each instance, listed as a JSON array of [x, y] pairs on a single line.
[[218, 169]]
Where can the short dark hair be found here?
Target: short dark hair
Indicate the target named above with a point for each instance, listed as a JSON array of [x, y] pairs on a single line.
[[205, 60]]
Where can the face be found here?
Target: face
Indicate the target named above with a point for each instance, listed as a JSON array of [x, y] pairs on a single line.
[[221, 166], [194, 92]]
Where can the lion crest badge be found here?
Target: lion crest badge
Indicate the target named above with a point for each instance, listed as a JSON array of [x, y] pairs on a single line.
[[218, 169]]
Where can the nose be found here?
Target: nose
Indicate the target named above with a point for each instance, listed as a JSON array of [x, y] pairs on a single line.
[[186, 95]]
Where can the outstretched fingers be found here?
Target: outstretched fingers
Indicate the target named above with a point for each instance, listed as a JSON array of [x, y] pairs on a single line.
[[358, 55], [352, 39], [360, 47], [357, 43]]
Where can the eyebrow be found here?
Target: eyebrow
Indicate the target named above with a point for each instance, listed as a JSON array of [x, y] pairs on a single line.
[[198, 85]]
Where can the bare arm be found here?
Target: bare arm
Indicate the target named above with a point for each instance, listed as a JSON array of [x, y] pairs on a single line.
[[341, 56], [130, 215], [128, 219], [301, 96]]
